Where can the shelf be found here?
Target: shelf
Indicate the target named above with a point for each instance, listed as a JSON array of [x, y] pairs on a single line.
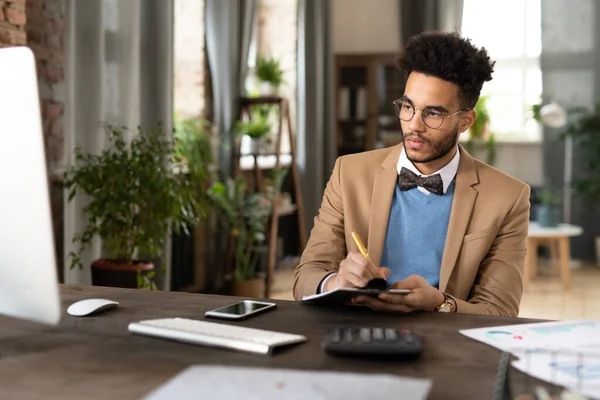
[[247, 101], [264, 161], [266, 154], [288, 209], [352, 121]]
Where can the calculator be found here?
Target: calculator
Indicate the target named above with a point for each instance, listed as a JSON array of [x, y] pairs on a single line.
[[372, 342]]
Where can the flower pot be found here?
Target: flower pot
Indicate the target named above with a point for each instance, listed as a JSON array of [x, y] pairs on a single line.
[[249, 288], [118, 274], [255, 145], [267, 89], [548, 216]]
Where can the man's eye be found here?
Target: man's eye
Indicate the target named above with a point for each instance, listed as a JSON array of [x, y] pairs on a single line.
[[433, 113], [407, 107]]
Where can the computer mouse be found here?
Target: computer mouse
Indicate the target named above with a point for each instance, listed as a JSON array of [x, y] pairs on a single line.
[[377, 283], [90, 306]]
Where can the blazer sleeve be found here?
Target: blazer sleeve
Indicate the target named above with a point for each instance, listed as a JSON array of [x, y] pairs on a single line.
[[326, 247], [499, 284]]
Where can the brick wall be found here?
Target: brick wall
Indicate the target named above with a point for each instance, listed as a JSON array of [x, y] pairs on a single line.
[[12, 23], [46, 38]]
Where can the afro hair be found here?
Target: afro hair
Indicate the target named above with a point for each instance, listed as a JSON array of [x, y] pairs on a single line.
[[450, 57]]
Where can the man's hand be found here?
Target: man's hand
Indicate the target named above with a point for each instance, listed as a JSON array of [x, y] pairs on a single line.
[[423, 297], [355, 270]]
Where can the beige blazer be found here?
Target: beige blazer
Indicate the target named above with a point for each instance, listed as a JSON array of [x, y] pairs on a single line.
[[484, 254]]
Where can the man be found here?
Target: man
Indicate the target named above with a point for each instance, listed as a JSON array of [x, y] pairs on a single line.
[[434, 220]]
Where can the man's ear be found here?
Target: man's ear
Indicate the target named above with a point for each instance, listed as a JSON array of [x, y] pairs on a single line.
[[467, 119]]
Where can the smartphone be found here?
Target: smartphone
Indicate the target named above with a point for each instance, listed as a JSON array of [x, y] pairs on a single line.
[[240, 310]]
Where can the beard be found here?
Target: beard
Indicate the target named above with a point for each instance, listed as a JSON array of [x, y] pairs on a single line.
[[440, 149]]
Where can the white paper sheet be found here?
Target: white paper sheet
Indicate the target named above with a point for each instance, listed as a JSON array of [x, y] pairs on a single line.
[[581, 336], [578, 373], [564, 353], [227, 383]]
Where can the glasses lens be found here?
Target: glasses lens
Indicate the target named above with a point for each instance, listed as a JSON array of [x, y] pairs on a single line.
[[404, 110], [433, 119]]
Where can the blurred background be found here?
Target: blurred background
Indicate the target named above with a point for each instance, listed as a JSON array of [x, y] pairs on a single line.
[[254, 100]]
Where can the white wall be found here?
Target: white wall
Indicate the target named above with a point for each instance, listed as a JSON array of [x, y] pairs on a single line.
[[521, 160], [361, 26]]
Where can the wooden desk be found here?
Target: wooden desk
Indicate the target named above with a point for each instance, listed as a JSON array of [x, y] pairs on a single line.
[[96, 358]]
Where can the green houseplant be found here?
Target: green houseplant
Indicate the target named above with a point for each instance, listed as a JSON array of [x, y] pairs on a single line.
[[134, 196], [257, 128], [584, 128], [479, 133], [269, 74], [194, 148], [247, 216], [549, 212]]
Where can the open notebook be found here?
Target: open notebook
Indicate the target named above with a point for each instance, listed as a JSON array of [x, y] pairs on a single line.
[[344, 295]]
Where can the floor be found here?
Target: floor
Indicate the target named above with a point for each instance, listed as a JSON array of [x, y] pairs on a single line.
[[544, 298]]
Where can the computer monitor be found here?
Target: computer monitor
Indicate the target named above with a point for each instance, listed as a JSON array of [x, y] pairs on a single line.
[[28, 277]]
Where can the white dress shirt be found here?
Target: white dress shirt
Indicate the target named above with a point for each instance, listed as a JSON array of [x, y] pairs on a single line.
[[447, 172]]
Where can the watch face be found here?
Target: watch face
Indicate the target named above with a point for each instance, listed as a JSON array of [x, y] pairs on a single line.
[[444, 307]]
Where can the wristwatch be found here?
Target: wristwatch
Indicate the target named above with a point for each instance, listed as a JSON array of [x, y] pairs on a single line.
[[448, 305]]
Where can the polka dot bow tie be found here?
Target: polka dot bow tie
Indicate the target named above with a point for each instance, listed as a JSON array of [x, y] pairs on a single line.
[[409, 180]]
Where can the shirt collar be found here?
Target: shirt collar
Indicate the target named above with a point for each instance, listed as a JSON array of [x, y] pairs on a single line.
[[448, 172]]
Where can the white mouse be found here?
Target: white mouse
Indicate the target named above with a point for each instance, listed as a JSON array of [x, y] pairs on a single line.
[[90, 306]]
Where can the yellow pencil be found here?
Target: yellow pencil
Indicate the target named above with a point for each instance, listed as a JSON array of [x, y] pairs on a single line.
[[361, 246]]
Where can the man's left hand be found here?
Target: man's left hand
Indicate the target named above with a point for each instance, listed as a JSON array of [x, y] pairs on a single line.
[[424, 297]]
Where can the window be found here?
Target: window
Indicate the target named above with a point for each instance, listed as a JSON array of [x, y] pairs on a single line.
[[275, 35], [189, 69], [510, 30]]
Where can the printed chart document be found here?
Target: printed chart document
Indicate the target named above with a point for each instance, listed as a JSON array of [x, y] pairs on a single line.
[[226, 383], [565, 353], [344, 295]]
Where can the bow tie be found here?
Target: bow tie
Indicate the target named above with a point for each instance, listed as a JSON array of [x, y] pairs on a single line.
[[409, 180]]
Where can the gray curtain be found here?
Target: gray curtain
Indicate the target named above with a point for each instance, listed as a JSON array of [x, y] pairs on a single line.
[[229, 26], [315, 139], [228, 34], [423, 15], [119, 71], [570, 77]]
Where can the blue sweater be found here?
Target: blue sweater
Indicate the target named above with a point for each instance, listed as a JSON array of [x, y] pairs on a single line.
[[416, 234]]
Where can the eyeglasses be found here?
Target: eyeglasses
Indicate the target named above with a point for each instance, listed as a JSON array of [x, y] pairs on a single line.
[[431, 117]]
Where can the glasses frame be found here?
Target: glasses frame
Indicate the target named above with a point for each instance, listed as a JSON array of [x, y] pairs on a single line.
[[415, 108]]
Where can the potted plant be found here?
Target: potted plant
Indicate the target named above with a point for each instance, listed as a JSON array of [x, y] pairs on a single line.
[[193, 144], [548, 212], [247, 216], [269, 75], [135, 195], [194, 148], [584, 128], [480, 134], [256, 128]]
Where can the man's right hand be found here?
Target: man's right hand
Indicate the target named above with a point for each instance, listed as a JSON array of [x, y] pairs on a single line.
[[355, 270]]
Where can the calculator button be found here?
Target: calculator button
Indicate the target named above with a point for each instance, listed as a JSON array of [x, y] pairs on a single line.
[[391, 335], [378, 334], [365, 335], [348, 337]]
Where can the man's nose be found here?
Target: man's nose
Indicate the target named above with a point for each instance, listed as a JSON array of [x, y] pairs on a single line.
[[416, 123]]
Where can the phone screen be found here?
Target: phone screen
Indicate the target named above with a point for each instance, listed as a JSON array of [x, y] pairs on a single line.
[[241, 308]]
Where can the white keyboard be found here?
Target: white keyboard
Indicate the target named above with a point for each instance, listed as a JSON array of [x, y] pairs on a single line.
[[214, 334]]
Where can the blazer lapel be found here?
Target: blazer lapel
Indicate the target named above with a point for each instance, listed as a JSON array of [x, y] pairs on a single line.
[[381, 202], [462, 207]]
